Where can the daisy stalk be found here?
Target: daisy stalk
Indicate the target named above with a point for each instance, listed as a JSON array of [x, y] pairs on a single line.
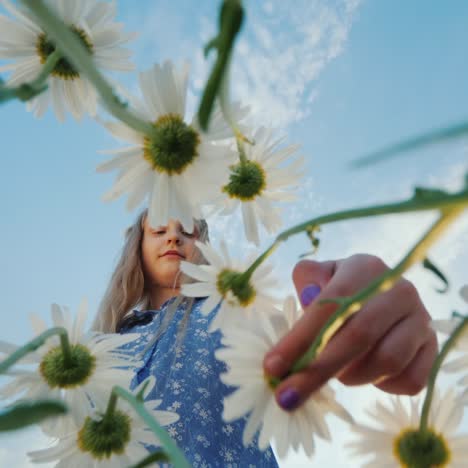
[[26, 413], [438, 135], [230, 22], [422, 200], [450, 342], [27, 91], [36, 343], [79, 57]]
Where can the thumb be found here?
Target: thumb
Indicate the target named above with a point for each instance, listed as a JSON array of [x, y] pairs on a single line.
[[310, 278]]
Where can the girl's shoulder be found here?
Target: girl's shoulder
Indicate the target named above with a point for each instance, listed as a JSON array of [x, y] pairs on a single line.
[[134, 319]]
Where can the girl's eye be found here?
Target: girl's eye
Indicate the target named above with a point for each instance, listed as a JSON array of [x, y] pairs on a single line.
[[160, 232], [188, 234]]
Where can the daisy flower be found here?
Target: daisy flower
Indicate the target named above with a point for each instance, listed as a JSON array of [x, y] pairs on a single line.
[[447, 327], [246, 346], [398, 443], [92, 23], [96, 365], [260, 181], [222, 281], [114, 440], [179, 166]]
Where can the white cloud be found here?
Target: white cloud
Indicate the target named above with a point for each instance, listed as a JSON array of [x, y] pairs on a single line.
[[282, 51], [278, 57]]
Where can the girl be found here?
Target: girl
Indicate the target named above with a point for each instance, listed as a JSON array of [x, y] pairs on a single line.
[[175, 345], [388, 343]]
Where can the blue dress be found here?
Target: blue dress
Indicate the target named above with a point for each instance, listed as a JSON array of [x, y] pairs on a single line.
[[187, 381]]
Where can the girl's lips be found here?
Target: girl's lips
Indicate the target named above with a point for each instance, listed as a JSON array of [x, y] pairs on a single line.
[[173, 254]]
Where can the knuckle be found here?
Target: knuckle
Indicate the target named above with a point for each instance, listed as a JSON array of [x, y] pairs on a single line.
[[316, 374], [414, 383], [369, 262], [406, 290], [358, 334], [342, 290], [390, 363], [375, 265]]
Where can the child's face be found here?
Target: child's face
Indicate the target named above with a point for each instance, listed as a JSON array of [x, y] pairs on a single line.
[[162, 250]]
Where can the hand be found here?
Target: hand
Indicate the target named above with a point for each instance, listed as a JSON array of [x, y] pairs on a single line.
[[388, 342]]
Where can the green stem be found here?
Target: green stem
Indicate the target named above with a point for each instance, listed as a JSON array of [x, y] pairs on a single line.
[[434, 371], [66, 350], [170, 448], [80, 58], [435, 136], [441, 201], [241, 151], [47, 69], [249, 272], [111, 405], [27, 91], [30, 347], [230, 22], [353, 304]]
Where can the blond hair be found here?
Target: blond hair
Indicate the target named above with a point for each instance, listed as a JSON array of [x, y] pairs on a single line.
[[127, 289]]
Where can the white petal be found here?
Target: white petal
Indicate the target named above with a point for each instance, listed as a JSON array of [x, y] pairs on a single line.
[[250, 223]]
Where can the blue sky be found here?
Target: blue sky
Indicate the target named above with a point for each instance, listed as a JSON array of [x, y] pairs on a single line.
[[338, 77]]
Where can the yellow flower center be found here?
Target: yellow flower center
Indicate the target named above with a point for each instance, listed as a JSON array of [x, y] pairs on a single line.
[[63, 69], [58, 372], [174, 145], [247, 180], [233, 285], [104, 438], [415, 449]]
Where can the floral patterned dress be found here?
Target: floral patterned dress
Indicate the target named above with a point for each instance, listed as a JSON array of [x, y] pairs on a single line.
[[187, 381]]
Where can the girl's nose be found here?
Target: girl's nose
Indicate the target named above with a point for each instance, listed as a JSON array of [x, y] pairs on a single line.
[[174, 236]]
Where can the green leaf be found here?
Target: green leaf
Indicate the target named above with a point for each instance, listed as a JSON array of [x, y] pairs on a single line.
[[436, 136], [26, 91], [428, 265], [230, 23], [27, 413], [23, 92], [154, 457], [422, 193], [213, 44]]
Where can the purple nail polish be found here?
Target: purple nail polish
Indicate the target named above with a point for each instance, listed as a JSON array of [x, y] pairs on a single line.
[[289, 399], [309, 293]]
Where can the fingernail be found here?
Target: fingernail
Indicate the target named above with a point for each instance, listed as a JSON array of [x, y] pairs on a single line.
[[309, 293], [289, 399], [275, 365]]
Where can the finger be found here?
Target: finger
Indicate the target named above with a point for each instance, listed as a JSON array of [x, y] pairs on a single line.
[[391, 354], [359, 335], [356, 339], [414, 377], [344, 278]]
